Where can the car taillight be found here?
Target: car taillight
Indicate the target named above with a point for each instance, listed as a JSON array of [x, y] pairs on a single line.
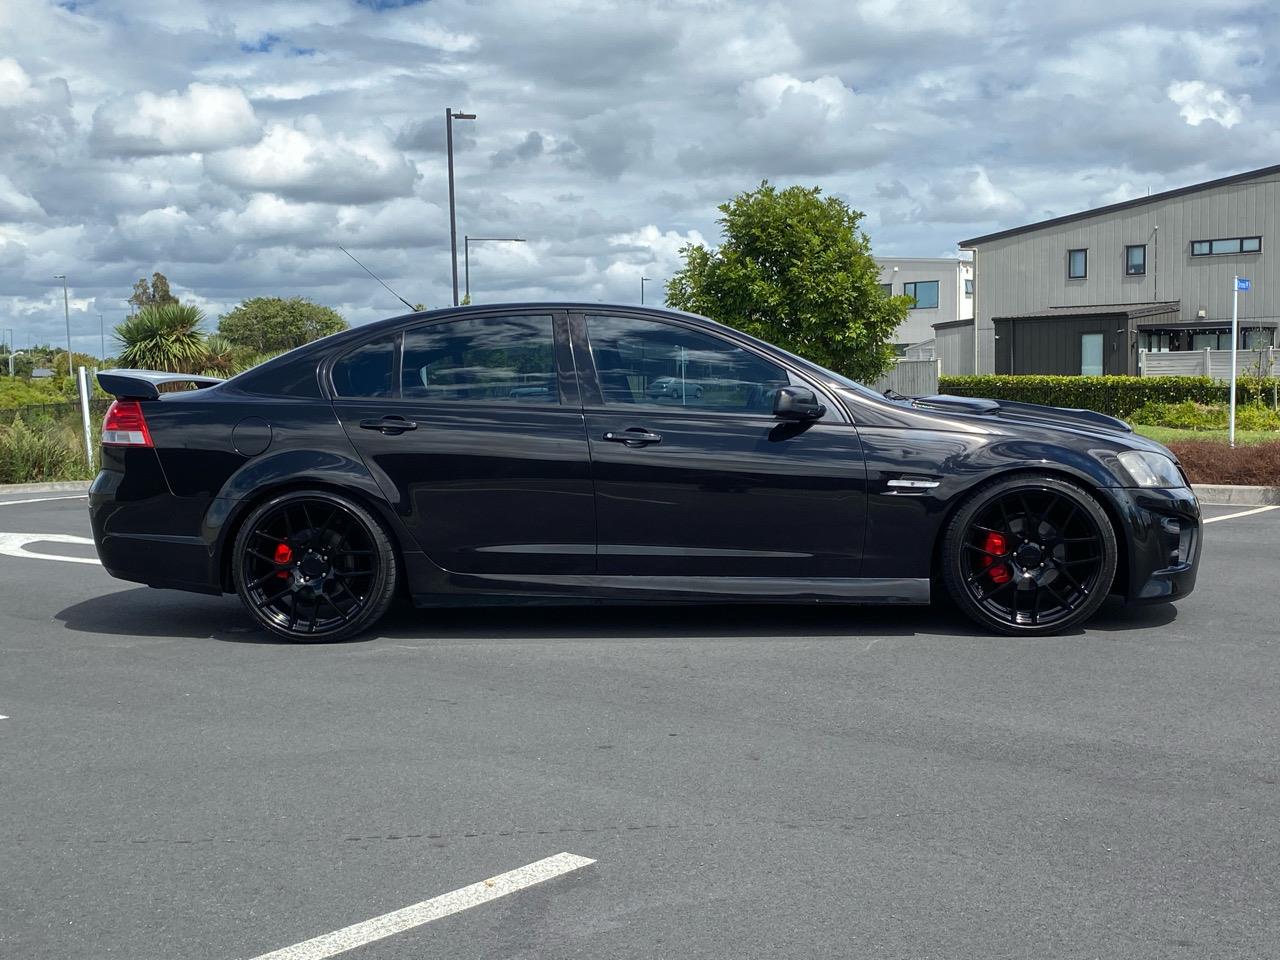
[[125, 426]]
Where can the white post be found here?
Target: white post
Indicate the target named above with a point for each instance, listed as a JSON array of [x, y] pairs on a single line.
[[1207, 357], [1235, 336], [83, 379]]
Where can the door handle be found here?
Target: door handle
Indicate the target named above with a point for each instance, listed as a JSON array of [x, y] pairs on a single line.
[[634, 437], [388, 425]]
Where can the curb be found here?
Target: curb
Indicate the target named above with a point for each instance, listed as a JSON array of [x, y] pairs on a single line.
[[1242, 496], [61, 486]]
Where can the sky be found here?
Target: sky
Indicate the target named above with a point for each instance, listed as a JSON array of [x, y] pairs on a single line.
[[234, 144]]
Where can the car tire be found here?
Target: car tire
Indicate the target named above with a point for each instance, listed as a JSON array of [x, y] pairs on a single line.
[[1029, 555], [314, 566]]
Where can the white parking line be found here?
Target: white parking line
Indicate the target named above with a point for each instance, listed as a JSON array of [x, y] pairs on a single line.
[[398, 921], [1242, 513], [73, 496], [15, 545]]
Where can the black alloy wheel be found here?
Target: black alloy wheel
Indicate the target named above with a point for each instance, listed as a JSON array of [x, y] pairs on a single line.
[[312, 565], [1029, 555]]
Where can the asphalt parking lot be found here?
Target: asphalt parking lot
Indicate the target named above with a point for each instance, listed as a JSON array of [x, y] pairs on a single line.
[[748, 782]]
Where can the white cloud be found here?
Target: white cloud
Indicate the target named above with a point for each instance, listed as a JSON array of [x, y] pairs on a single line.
[[204, 117], [305, 162], [15, 83], [16, 205], [1198, 102]]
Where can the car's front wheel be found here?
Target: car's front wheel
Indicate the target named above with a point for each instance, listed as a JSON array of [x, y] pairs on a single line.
[[1029, 555], [313, 565]]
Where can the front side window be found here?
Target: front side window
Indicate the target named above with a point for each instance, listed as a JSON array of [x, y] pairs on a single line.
[[646, 362], [1077, 264], [366, 371], [481, 360], [925, 293], [1135, 260]]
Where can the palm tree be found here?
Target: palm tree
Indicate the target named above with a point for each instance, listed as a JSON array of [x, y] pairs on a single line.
[[164, 336]]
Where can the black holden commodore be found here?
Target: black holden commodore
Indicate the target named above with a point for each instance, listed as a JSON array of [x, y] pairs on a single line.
[[522, 453]]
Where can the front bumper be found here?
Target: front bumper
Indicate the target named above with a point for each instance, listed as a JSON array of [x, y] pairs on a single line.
[[1163, 534]]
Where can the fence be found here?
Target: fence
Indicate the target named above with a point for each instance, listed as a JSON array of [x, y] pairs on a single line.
[[1209, 363], [911, 378], [33, 412]]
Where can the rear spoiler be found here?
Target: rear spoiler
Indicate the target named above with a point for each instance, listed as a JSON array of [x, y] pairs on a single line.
[[146, 384]]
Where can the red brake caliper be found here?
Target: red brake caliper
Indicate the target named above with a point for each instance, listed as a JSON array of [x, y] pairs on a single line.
[[282, 556], [995, 543]]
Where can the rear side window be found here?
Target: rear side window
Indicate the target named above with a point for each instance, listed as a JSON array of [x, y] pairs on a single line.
[[481, 360], [367, 371]]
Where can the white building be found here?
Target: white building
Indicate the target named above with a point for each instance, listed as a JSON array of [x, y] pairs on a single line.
[[941, 287]]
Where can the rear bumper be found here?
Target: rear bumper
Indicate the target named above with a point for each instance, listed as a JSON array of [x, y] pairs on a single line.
[[1164, 533], [126, 516]]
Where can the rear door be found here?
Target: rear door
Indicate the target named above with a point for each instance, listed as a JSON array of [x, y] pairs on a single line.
[[694, 476], [473, 429]]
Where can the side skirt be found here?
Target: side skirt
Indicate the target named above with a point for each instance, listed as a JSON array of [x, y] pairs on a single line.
[[517, 588]]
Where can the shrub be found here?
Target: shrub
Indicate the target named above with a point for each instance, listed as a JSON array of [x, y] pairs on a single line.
[[33, 454], [1117, 396], [1211, 461], [1197, 416]]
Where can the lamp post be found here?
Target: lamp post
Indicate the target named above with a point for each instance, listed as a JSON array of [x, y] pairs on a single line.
[[449, 117], [466, 256], [102, 339], [643, 281], [66, 312]]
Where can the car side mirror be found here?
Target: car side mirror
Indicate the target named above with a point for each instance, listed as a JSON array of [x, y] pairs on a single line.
[[797, 403]]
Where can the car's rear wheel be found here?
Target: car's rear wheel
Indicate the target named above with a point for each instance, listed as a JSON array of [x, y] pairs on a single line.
[[1029, 555], [311, 565]]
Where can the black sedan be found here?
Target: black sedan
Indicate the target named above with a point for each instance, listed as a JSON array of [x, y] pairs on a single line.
[[517, 452]]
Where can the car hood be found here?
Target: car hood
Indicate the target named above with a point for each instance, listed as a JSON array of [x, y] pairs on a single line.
[[1070, 417]]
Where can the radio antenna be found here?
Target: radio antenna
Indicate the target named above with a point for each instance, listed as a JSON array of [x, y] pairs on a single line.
[[376, 277]]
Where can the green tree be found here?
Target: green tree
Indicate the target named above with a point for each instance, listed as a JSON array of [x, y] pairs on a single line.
[[272, 324], [795, 269], [164, 337], [154, 294]]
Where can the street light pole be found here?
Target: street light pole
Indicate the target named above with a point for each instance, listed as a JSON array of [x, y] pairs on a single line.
[[466, 253], [102, 338], [643, 281], [449, 117], [66, 312]]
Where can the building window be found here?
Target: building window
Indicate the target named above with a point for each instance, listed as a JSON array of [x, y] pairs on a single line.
[[1135, 260], [887, 289], [1091, 354], [1154, 342], [924, 292], [1226, 246], [968, 287], [1077, 264]]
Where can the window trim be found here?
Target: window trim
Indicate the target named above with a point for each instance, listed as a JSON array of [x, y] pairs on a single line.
[[1085, 251], [915, 283], [1128, 272], [1238, 253]]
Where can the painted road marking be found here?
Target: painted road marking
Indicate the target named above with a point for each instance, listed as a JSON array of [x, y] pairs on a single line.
[[15, 545], [1242, 513], [398, 921], [74, 496]]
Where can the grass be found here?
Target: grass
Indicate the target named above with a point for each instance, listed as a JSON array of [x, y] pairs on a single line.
[[1167, 435]]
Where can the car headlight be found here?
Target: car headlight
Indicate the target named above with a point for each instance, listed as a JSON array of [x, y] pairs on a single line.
[[1150, 469]]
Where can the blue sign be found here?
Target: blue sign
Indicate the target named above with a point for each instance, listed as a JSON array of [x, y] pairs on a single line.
[[1242, 283]]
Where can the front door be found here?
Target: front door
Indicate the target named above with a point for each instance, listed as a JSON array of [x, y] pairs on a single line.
[[693, 474], [473, 430]]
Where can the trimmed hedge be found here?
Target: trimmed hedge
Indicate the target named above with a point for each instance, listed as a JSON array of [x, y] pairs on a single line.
[[1115, 396]]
